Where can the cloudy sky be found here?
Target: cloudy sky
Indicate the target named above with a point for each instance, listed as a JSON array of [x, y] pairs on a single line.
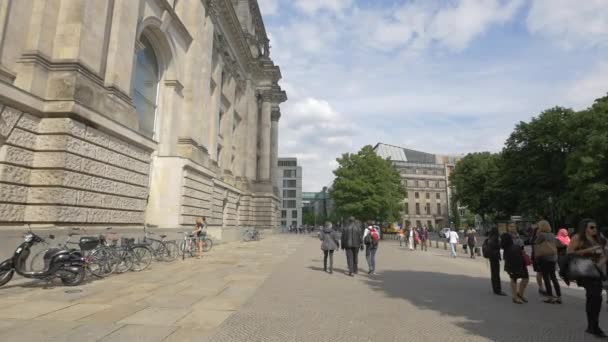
[[441, 76]]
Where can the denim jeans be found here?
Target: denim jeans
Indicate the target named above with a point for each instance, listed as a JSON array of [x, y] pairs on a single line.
[[370, 255], [453, 247]]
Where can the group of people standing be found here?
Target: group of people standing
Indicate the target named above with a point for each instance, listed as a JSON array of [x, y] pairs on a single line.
[[581, 259], [352, 240], [414, 237]]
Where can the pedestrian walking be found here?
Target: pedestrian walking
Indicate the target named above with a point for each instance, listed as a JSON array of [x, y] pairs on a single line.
[[491, 251], [471, 242], [401, 237], [546, 252], [329, 243], [515, 235], [410, 237], [424, 238], [516, 267], [535, 262], [351, 243], [416, 238], [453, 239], [200, 231], [371, 239], [586, 245]]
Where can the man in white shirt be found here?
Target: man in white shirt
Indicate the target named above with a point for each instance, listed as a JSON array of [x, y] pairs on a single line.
[[453, 239], [410, 237]]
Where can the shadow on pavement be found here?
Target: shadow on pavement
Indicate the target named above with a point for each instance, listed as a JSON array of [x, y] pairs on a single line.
[[320, 269], [472, 307]]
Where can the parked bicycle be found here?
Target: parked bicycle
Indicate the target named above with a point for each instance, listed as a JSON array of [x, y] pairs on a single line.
[[251, 234], [189, 245], [163, 250]]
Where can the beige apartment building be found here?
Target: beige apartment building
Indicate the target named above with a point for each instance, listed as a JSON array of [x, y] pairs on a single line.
[[125, 112], [425, 177]]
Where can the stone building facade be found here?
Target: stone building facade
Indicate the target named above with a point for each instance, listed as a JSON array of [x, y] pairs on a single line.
[[425, 177], [125, 112], [290, 186]]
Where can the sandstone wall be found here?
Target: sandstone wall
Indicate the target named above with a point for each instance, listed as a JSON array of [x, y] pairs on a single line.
[[58, 170]]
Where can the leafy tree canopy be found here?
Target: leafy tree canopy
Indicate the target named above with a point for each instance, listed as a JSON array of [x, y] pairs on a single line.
[[367, 187]]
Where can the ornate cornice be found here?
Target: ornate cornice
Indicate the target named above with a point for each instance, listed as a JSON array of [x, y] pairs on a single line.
[[275, 114], [227, 24], [273, 95]]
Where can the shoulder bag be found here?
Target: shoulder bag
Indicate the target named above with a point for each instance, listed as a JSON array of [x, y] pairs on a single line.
[[580, 268]]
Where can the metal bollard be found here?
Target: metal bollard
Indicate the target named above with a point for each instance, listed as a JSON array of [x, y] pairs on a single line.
[[445, 245], [436, 243]]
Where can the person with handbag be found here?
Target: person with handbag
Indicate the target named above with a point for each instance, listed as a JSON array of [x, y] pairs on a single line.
[[545, 251], [515, 266], [587, 257]]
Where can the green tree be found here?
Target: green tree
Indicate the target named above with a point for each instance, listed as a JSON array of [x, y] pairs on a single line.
[[455, 213], [367, 187], [534, 161], [587, 164], [476, 182]]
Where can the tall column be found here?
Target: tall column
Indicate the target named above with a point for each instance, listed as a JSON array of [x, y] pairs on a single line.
[[252, 132], [264, 166], [274, 144]]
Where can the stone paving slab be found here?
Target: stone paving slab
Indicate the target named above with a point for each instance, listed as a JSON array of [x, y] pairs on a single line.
[[147, 333], [416, 296], [183, 299]]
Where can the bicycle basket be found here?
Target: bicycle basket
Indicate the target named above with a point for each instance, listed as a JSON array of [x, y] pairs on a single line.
[[88, 243], [127, 241]]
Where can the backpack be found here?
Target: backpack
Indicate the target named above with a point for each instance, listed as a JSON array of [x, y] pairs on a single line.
[[375, 236], [485, 249]]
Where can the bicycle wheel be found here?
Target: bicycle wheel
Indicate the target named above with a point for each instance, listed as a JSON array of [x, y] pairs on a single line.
[[170, 251], [158, 248], [99, 262], [124, 260], [182, 247], [142, 257], [207, 244]]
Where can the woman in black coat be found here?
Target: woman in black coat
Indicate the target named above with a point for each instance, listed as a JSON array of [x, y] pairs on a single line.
[[515, 266]]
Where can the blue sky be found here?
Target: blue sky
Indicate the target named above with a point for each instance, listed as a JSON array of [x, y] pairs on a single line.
[[441, 76]]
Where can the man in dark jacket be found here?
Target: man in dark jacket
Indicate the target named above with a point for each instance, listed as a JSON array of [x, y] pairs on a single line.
[[493, 246], [352, 240]]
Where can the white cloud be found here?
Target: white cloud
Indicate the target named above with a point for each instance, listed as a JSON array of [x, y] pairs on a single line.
[[589, 88], [269, 7], [312, 6], [418, 24], [321, 133], [569, 22], [413, 73]]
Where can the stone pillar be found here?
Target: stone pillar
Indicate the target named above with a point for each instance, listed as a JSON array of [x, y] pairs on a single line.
[[264, 136], [252, 133], [274, 145]]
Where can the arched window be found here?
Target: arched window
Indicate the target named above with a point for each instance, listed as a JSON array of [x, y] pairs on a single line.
[[145, 88]]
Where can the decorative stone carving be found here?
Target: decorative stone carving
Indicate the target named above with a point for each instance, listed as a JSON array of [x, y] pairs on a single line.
[[275, 115]]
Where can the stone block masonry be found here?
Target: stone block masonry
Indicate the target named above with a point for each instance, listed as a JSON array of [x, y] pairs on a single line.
[[58, 170]]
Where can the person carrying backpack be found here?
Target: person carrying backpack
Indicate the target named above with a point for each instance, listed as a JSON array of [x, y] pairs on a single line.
[[371, 238]]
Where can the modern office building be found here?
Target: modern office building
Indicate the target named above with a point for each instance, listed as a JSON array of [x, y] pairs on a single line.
[[120, 113], [289, 180], [425, 177]]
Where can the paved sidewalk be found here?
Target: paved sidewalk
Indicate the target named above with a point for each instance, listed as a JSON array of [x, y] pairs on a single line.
[[275, 290], [416, 296], [180, 301]]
